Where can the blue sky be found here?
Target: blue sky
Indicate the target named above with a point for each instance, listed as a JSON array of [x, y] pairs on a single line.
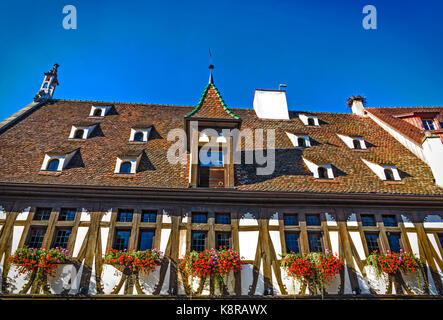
[[157, 51]]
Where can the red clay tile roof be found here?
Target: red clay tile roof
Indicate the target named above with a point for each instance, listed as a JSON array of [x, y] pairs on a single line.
[[388, 115], [24, 145], [211, 105]]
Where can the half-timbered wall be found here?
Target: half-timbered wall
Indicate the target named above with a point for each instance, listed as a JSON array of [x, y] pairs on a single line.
[[259, 233]]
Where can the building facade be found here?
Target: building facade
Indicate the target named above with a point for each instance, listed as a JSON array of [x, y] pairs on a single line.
[[88, 176]]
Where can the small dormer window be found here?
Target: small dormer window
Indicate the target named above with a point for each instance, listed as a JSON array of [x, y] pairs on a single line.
[[309, 120], [139, 134], [79, 134], [356, 144], [389, 175], [138, 137], [53, 165], [428, 124], [99, 112], [125, 167], [322, 173], [301, 142], [127, 163]]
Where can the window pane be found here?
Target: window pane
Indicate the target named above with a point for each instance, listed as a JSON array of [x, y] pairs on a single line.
[[53, 165], [428, 124], [35, 238], [314, 242], [371, 241], [222, 239], [394, 242], [42, 214], [292, 242], [440, 237], [367, 220], [290, 220], [138, 136], [312, 220], [389, 221], [198, 241], [61, 238], [125, 167], [124, 216], [199, 217], [121, 240], [149, 216], [211, 159], [67, 214], [223, 218], [145, 240]]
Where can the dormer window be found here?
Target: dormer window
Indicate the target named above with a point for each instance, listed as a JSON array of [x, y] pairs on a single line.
[[389, 175], [356, 143], [139, 134], [299, 140], [79, 134], [53, 165], [56, 161], [309, 120], [125, 167], [128, 163], [99, 112], [81, 131], [384, 172], [428, 124], [320, 171]]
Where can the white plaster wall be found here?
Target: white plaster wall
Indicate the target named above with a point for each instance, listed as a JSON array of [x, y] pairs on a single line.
[[356, 239], [119, 161], [15, 280], [314, 168], [433, 221], [85, 216], [166, 218], [107, 216], [2, 213], [352, 221], [248, 219], [379, 170], [330, 220], [333, 237], [104, 233], [433, 241], [273, 220], [110, 278], [81, 234], [406, 222], [65, 275], [23, 216], [246, 278], [275, 239], [144, 131], [433, 152], [304, 118], [182, 244], [164, 237], [248, 244], [379, 284], [148, 281], [16, 236], [413, 241], [292, 285]]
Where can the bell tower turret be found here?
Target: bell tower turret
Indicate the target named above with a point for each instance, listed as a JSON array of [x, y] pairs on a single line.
[[48, 85]]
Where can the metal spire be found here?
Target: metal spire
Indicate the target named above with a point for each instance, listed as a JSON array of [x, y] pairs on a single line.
[[211, 67]]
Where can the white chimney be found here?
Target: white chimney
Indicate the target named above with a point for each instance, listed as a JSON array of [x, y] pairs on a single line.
[[270, 104], [357, 105], [433, 151]]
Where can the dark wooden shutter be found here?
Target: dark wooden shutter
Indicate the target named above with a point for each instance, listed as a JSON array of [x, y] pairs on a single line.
[[212, 177]]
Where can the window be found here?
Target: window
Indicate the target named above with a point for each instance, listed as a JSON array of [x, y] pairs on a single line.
[[222, 218], [79, 134], [125, 215], [312, 220], [367, 220], [198, 241], [121, 239], [322, 173], [389, 175], [440, 237], [67, 214], [211, 159], [290, 219], [61, 237], [53, 165], [222, 239], [125, 167], [199, 217], [356, 144], [138, 137], [311, 122], [428, 124], [145, 240], [291, 240], [149, 216], [372, 242], [42, 214], [98, 112], [394, 242], [314, 239], [389, 220], [35, 238], [301, 142]]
